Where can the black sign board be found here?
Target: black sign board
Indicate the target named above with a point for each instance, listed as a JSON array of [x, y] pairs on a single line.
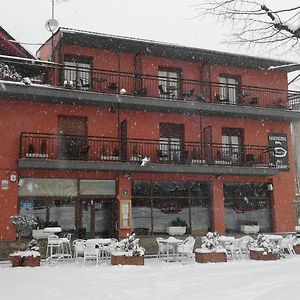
[[279, 150]]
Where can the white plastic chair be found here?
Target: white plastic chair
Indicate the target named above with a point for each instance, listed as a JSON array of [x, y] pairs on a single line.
[[66, 245], [185, 250], [54, 248], [245, 242], [164, 249], [287, 244], [79, 246], [91, 252]]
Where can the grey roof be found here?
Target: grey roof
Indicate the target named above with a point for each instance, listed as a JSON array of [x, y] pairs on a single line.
[[149, 47]]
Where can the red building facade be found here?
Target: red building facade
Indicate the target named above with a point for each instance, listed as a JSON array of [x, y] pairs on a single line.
[[122, 135]]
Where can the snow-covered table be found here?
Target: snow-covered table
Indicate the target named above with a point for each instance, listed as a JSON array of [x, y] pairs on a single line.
[[103, 245], [52, 230], [171, 242]]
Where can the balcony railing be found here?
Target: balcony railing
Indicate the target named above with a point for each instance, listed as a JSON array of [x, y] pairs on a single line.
[[101, 149], [143, 85]]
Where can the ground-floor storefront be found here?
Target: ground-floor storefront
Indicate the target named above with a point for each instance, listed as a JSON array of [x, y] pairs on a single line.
[[116, 206]]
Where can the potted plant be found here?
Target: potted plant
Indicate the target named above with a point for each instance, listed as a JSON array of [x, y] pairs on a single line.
[[178, 227], [27, 258], [264, 249], [104, 152], [22, 222], [128, 252], [250, 227], [136, 156], [211, 250], [196, 156]]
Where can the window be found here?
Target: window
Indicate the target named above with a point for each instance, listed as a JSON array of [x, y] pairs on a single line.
[[232, 145], [228, 89], [78, 70], [166, 201], [247, 203], [168, 83]]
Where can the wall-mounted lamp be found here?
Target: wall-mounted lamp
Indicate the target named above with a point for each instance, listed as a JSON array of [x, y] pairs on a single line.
[[270, 187], [111, 109]]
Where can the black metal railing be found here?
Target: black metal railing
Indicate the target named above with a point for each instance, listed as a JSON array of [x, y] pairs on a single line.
[[71, 147], [144, 85]]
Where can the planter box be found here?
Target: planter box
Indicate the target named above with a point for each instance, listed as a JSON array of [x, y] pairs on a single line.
[[262, 255], [248, 229], [127, 260], [212, 257], [28, 261], [37, 155], [136, 158], [176, 230], [297, 249], [109, 157], [198, 161]]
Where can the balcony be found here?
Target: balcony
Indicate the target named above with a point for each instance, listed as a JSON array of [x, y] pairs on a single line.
[[37, 149], [162, 88]]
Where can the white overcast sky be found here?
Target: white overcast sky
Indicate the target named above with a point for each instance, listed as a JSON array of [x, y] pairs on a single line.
[[171, 21]]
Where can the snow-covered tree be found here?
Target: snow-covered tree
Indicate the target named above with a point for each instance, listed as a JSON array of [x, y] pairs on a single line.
[[255, 22]]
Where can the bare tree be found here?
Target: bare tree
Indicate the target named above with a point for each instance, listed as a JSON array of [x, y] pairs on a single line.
[[254, 23]]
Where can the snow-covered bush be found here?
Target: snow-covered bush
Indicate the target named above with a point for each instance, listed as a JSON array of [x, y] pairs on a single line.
[[33, 249], [211, 243], [9, 73], [129, 247], [262, 243], [22, 222]]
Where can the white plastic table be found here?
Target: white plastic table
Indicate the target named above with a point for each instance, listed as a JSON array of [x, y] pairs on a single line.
[[171, 241], [52, 230], [101, 242]]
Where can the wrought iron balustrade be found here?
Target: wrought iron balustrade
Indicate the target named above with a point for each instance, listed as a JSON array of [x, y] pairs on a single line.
[[145, 85], [101, 149]]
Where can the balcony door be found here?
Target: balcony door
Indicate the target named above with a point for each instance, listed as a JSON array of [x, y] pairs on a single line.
[[171, 142], [232, 144], [78, 70], [72, 137], [228, 89], [168, 83]]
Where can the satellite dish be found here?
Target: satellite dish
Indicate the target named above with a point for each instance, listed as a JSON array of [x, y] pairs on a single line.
[[51, 25]]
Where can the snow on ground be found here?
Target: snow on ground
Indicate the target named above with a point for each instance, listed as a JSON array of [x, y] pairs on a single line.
[[247, 279]]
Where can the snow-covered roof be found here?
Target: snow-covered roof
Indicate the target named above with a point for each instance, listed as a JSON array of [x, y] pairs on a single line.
[[175, 51]]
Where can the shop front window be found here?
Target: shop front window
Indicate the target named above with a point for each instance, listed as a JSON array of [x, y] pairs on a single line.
[[157, 205], [247, 204]]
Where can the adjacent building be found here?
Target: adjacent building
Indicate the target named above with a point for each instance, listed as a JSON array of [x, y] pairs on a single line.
[[120, 134]]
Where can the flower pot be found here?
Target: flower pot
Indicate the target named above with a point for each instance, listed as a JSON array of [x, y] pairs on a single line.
[[210, 257], [297, 249], [176, 230], [250, 229], [263, 255], [127, 260], [25, 261]]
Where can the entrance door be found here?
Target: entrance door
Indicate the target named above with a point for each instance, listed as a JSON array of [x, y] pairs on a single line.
[[72, 139], [96, 218]]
